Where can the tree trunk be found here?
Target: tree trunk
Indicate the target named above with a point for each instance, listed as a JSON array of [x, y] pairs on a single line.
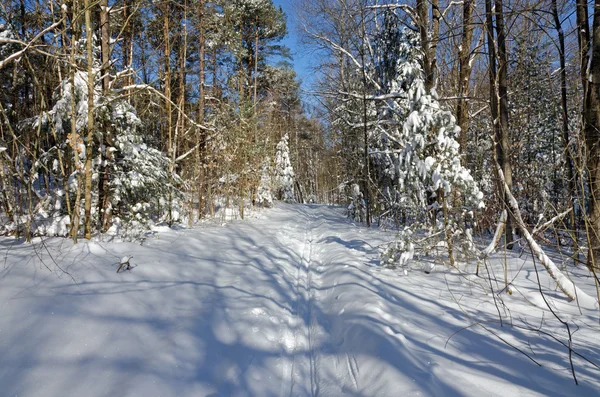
[[167, 77], [90, 121], [74, 138], [255, 65], [366, 173], [499, 102], [464, 66], [428, 43], [200, 139], [592, 142], [504, 138], [105, 43], [103, 197], [583, 38], [565, 127]]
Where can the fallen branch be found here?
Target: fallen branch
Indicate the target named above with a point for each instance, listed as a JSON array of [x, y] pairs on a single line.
[[125, 265], [563, 282]]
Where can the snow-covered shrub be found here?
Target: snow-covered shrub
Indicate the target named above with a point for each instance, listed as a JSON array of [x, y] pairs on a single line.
[[357, 209], [400, 251], [284, 172]]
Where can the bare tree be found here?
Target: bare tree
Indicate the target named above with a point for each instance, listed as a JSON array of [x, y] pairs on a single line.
[[565, 123], [499, 100], [465, 66]]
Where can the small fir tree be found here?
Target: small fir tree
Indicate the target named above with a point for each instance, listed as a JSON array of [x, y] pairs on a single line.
[[284, 171]]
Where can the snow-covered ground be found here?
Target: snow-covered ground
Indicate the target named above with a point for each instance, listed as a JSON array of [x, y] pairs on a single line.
[[291, 303]]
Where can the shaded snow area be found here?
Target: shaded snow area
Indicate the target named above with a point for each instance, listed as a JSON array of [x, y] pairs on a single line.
[[292, 303]]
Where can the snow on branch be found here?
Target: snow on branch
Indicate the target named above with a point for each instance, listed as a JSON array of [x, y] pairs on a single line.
[[384, 97], [410, 11], [539, 229], [450, 5], [15, 56]]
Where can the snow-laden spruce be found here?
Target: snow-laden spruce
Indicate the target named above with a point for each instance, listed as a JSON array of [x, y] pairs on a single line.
[[415, 153], [137, 175], [264, 196], [420, 154], [284, 172], [357, 208]]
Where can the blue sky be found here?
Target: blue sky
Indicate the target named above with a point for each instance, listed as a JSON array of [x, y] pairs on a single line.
[[301, 58]]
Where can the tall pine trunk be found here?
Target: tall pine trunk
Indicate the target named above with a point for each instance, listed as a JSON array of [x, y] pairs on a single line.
[[106, 142], [202, 185], [90, 120], [504, 138], [74, 138], [592, 141], [167, 88]]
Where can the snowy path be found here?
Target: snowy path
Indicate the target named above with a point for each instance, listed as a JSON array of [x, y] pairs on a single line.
[[289, 304]]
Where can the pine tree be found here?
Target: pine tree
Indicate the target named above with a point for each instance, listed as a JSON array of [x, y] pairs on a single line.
[[284, 171], [264, 197]]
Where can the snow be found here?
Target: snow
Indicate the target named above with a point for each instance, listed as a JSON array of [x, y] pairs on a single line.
[[290, 303]]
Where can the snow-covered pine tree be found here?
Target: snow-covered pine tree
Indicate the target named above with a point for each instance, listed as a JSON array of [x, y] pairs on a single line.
[[284, 173], [264, 197], [357, 208], [139, 186], [139, 183], [415, 153]]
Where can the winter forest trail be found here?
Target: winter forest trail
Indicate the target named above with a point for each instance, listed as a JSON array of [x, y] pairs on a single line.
[[289, 304]]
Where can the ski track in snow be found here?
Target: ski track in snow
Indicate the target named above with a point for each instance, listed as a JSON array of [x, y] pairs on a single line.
[[299, 377], [290, 304]]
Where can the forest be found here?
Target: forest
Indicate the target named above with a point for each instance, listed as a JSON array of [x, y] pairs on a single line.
[[413, 152], [122, 115], [428, 117], [116, 116]]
